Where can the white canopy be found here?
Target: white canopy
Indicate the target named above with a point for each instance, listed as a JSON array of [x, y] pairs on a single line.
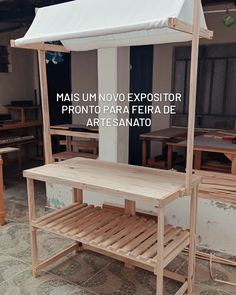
[[92, 24]]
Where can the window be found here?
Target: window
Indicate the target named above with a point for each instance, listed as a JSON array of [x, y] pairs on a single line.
[[4, 59], [216, 89]]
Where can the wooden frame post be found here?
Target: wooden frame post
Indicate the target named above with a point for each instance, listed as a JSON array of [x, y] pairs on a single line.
[[160, 251], [2, 207], [33, 230], [45, 107], [193, 236], [192, 93]]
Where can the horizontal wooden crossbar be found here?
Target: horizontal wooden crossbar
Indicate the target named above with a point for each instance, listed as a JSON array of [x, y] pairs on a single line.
[[41, 46], [179, 25]]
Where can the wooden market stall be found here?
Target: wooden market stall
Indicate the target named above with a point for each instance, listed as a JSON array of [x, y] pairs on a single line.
[[123, 235]]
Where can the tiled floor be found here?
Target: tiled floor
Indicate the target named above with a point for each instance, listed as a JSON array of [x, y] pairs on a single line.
[[86, 273]]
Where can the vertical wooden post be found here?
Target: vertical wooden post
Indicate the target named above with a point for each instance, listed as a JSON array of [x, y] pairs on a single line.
[[130, 207], [144, 152], [33, 230], [45, 107], [192, 93], [78, 196], [192, 244], [2, 207], [160, 251]]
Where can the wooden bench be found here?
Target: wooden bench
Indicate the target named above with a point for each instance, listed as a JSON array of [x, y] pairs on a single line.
[[70, 155]]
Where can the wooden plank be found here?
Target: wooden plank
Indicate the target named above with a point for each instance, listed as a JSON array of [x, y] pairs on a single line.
[[57, 214], [138, 240], [182, 289], [41, 46], [192, 93], [66, 220], [104, 229], [179, 25], [90, 135], [119, 180], [130, 236], [65, 216], [69, 224], [70, 229], [33, 231], [59, 255], [160, 252], [56, 211], [193, 238], [132, 225], [97, 224], [147, 243], [70, 155], [45, 107]]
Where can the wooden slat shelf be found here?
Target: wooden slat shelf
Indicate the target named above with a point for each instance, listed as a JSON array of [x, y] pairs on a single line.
[[126, 236]]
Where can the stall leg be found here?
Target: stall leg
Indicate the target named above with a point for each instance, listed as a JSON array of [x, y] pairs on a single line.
[[78, 198], [144, 153], [192, 245], [33, 230], [160, 251]]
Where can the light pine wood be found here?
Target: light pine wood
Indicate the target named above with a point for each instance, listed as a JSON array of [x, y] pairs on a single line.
[[79, 134], [41, 46], [45, 107], [2, 207], [135, 183], [62, 156], [192, 245], [179, 25], [160, 252], [217, 186], [33, 230], [192, 93], [78, 196], [130, 207], [114, 232]]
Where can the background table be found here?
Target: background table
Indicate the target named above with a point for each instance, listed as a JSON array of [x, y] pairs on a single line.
[[205, 144]]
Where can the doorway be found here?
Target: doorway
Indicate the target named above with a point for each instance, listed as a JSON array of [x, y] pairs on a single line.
[[141, 73], [59, 81]]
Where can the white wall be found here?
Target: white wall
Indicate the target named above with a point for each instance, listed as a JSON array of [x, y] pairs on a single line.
[[19, 84]]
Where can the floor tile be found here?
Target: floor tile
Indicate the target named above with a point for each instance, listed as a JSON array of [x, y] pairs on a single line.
[[79, 267], [10, 266], [225, 273], [46, 284], [117, 279], [202, 289], [15, 241]]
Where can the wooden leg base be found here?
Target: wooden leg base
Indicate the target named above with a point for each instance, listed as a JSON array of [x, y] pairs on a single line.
[[79, 248], [36, 273]]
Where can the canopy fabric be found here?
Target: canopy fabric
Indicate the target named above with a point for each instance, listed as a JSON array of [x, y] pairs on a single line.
[[93, 24]]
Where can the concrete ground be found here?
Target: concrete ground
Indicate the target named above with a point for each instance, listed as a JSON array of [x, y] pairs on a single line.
[[86, 273]]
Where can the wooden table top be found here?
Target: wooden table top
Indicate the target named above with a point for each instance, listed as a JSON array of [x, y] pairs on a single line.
[[164, 134], [120, 180], [208, 144]]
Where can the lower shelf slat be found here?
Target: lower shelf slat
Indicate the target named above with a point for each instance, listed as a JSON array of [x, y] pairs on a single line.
[[131, 237]]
